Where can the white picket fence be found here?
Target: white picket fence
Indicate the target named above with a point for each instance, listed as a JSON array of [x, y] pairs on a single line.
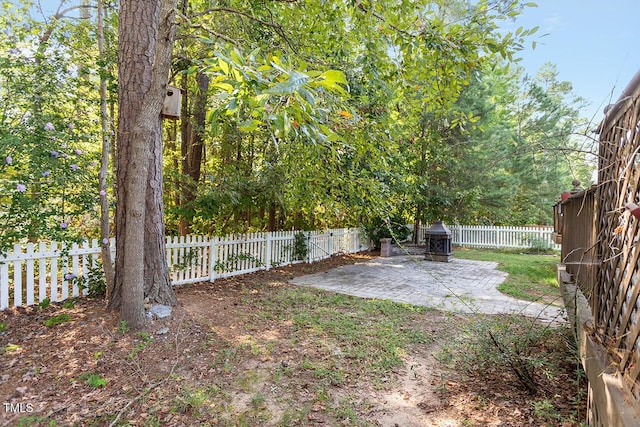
[[32, 273], [499, 237]]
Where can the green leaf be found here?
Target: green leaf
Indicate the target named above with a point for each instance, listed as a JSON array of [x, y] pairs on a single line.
[[237, 57], [224, 86], [307, 96], [191, 70], [295, 81], [261, 99], [223, 66], [334, 76], [249, 125], [332, 86], [232, 106]]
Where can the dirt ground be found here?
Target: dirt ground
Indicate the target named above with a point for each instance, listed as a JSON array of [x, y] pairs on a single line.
[[217, 361]]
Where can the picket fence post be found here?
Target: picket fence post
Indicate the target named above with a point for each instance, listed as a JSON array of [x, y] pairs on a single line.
[[4, 284], [42, 273], [213, 258], [268, 251]]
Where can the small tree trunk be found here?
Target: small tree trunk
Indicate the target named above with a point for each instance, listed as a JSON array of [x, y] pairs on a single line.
[[107, 263], [271, 221], [416, 223], [192, 149]]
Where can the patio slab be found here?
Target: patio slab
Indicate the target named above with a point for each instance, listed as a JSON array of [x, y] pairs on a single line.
[[461, 285]]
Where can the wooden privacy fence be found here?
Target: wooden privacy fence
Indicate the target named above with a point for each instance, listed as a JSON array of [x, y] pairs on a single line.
[[606, 250], [32, 273], [578, 237], [615, 301], [499, 237]]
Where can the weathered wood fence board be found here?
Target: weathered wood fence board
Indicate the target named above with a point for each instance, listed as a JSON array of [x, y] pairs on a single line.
[[601, 252]]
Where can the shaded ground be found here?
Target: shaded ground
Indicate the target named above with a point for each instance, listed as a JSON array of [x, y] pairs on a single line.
[[254, 350]]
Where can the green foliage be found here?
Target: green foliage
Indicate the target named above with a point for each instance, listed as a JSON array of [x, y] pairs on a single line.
[[539, 246], [35, 420], [44, 303], [3, 327], [531, 277], [232, 260], [267, 90], [509, 343], [95, 282], [377, 229], [188, 259], [321, 92], [544, 409], [145, 340], [123, 328], [11, 348], [47, 152], [192, 401], [57, 320], [93, 380], [69, 304], [502, 154], [300, 248], [282, 126]]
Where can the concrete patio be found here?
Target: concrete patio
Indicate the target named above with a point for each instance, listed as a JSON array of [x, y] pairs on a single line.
[[463, 286]]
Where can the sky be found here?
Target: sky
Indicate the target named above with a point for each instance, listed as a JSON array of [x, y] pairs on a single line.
[[594, 44]]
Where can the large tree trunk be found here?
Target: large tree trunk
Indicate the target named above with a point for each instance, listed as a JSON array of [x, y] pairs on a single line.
[[144, 52], [157, 284]]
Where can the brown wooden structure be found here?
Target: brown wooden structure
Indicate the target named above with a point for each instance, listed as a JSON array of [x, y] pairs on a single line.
[[600, 273], [578, 236]]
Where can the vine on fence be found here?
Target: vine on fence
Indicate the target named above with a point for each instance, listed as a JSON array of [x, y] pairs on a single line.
[[538, 245], [94, 281], [300, 247], [229, 264], [189, 259]]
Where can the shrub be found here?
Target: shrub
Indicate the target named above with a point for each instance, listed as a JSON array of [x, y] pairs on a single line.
[[379, 228]]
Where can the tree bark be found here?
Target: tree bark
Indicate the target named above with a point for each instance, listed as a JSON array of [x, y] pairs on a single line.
[[157, 283], [192, 148], [185, 132], [107, 262], [146, 34]]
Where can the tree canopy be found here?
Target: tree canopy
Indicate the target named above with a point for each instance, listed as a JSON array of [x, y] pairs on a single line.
[[294, 114]]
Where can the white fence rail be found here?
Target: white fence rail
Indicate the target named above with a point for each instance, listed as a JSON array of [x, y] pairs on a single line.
[[32, 273], [499, 237]]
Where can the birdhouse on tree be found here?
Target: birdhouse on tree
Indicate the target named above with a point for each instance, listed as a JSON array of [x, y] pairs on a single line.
[[172, 103]]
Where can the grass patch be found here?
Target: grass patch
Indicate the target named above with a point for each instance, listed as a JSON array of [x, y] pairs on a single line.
[[530, 354], [531, 277], [371, 335], [93, 380], [57, 320]]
